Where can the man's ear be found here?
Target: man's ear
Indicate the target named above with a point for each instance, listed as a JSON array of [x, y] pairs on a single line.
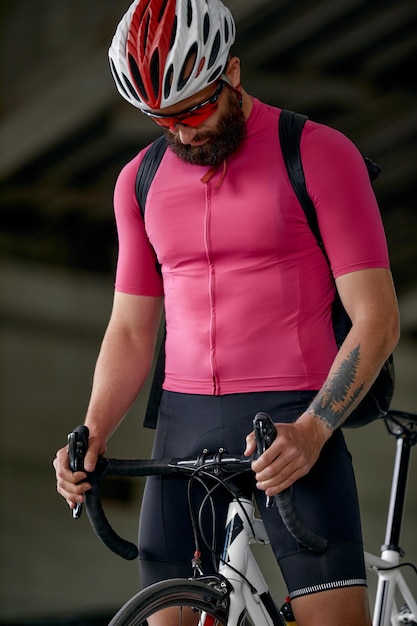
[[233, 71]]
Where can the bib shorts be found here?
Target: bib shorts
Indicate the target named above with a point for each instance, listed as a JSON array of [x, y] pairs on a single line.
[[326, 498]]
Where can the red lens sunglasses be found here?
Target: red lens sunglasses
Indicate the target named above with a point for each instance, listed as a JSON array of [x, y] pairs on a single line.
[[194, 116]]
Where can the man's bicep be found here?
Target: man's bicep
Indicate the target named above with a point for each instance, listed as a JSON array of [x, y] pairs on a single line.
[[136, 314], [368, 293]]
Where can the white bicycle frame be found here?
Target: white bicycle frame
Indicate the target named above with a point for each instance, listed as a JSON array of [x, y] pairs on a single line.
[[238, 563]]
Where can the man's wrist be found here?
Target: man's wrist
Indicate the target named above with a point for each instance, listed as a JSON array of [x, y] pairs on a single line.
[[315, 425]]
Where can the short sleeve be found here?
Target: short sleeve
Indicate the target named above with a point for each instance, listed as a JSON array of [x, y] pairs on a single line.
[[348, 214], [137, 269]]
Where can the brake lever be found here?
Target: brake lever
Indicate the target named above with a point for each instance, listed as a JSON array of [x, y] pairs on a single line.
[[77, 448], [265, 433]]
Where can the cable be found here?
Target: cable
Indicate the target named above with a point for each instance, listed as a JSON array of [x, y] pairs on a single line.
[[220, 482], [376, 568]]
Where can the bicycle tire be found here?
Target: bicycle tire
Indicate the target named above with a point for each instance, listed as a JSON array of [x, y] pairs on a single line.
[[202, 597]]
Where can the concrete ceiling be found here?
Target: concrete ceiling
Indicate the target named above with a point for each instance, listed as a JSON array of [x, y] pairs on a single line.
[[65, 132]]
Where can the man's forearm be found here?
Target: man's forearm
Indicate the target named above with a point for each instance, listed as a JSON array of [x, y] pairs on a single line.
[[341, 392], [121, 370]]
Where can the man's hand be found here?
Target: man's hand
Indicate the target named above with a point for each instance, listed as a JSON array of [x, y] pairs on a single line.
[[291, 455], [70, 484]]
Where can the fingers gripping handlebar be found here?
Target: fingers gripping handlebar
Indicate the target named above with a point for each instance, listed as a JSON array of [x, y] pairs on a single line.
[[77, 447], [265, 433]]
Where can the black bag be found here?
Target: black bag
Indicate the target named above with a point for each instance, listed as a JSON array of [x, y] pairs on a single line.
[[376, 402]]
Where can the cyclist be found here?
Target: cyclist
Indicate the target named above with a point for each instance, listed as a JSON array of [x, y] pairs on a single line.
[[247, 296]]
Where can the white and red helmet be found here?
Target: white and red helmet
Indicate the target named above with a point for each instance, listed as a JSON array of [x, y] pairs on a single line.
[[164, 51]]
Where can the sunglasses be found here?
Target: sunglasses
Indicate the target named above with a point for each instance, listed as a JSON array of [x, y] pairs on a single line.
[[194, 116]]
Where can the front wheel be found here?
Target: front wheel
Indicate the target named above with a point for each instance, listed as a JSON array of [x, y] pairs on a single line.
[[183, 602]]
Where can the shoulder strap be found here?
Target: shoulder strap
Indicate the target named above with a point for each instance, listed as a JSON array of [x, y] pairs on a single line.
[[144, 178], [147, 170], [290, 128]]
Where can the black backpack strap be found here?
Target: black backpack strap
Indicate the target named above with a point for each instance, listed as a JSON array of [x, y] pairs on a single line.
[[290, 128], [144, 178], [147, 170]]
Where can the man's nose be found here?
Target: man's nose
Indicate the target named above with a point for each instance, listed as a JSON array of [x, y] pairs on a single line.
[[185, 133]]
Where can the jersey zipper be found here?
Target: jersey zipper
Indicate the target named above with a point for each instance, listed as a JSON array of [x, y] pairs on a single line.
[[211, 293]]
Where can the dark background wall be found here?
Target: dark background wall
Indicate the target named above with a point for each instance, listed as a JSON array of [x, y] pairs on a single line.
[[64, 135]]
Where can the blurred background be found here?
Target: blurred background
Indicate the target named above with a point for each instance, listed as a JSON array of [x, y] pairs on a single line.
[[64, 135]]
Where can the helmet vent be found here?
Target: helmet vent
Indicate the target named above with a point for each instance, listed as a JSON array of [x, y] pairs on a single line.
[[206, 28], [145, 35], [189, 13], [214, 50], [188, 66], [226, 31], [162, 11], [168, 81], [174, 32], [134, 70], [215, 74], [154, 66], [131, 88], [117, 79]]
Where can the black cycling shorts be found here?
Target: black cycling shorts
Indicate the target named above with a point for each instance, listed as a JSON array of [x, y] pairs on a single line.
[[326, 498]]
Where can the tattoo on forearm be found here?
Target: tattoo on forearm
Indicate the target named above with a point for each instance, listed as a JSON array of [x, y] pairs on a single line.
[[339, 393]]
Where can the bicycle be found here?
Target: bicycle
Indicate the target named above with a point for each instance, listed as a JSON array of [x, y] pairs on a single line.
[[237, 595]]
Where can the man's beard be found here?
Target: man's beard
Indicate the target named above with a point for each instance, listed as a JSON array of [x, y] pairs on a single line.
[[223, 141]]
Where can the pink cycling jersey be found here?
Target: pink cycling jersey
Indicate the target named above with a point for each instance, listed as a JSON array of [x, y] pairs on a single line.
[[248, 293]]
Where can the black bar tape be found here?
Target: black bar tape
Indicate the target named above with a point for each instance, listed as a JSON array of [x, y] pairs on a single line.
[[295, 525], [98, 520]]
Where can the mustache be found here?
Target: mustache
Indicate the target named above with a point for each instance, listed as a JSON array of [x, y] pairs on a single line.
[[207, 135]]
